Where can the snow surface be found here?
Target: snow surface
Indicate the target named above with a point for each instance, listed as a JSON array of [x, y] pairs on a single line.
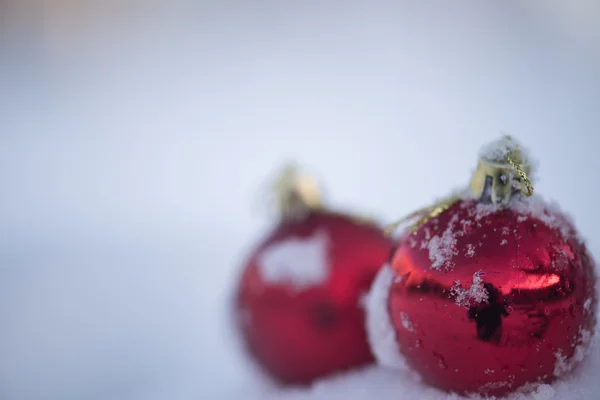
[[381, 335], [300, 262], [132, 150]]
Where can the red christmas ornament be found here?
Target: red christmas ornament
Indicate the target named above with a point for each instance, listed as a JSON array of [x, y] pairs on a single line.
[[299, 297], [490, 291]]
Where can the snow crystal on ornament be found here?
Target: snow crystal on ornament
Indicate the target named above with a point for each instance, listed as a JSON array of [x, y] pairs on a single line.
[[406, 322], [475, 294], [301, 262], [443, 248], [470, 251], [381, 334], [466, 223]]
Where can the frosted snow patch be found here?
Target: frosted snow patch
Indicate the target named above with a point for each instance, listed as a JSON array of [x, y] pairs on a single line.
[[482, 210], [443, 248], [380, 332], [528, 206], [475, 294], [536, 207], [302, 262]]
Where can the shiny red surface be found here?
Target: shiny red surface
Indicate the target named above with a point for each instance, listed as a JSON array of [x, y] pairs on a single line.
[[540, 294], [300, 336]]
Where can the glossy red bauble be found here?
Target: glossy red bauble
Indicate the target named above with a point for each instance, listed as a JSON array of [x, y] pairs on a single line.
[[299, 298], [484, 299]]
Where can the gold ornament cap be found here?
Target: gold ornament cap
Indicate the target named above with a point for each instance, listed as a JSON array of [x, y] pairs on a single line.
[[297, 193], [502, 171]]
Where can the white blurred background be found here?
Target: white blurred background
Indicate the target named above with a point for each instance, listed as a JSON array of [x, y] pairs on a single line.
[[136, 139]]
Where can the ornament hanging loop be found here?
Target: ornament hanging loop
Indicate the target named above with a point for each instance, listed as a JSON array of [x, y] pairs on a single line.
[[526, 186], [296, 193]]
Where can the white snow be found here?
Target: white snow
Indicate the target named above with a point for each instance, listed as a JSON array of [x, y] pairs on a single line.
[[475, 294], [301, 262], [443, 248], [381, 335]]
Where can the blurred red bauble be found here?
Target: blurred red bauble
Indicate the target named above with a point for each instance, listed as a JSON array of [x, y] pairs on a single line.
[[488, 292], [299, 298]]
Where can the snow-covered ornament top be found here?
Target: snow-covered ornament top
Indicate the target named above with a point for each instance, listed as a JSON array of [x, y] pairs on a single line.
[[502, 174], [502, 171]]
